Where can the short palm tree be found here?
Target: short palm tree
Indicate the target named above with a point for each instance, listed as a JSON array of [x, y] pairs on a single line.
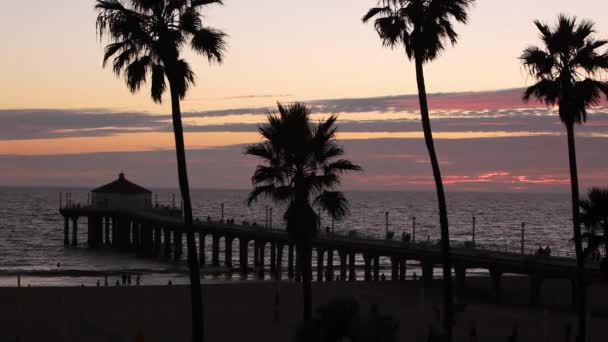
[[302, 167], [594, 215], [564, 70], [145, 40], [423, 28]]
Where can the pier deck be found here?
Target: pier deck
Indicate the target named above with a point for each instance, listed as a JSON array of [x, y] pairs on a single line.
[[159, 232]]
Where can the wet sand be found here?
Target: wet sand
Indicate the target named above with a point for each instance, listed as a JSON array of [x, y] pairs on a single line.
[[244, 311]]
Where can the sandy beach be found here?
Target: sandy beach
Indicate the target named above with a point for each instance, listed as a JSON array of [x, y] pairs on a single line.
[[243, 311]]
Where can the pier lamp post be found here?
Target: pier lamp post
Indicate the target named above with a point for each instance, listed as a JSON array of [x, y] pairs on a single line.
[[523, 233], [413, 228]]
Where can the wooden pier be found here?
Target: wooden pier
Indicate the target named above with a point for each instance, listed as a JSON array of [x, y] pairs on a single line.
[[159, 233]]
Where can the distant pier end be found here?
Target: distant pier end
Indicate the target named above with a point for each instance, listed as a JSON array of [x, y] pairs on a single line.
[[121, 194]]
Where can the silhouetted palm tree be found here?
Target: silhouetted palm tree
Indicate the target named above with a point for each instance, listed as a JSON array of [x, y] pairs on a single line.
[[301, 163], [564, 69], [146, 38], [594, 215], [423, 27]]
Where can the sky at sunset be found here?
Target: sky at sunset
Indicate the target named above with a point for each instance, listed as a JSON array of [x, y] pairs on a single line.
[[64, 120]]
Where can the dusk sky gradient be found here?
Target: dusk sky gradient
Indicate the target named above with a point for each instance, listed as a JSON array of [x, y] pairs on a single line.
[[66, 121]]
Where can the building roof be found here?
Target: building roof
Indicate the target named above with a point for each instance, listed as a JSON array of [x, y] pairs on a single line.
[[122, 186]]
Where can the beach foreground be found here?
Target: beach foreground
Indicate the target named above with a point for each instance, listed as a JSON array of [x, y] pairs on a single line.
[[244, 311]]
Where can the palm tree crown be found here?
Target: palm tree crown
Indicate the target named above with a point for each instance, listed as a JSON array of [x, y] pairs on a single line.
[[594, 215], [148, 36], [565, 68], [302, 161], [422, 26]]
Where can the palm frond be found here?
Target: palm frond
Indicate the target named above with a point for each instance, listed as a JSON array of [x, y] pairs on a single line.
[[342, 166], [335, 203], [262, 150], [374, 12], [199, 3], [538, 62], [210, 43], [135, 73], [158, 30], [545, 90], [279, 194], [158, 85], [183, 77]]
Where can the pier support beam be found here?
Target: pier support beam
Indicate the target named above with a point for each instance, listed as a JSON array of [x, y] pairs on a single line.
[[330, 265], [147, 238], [273, 259], [136, 240], [95, 231], [115, 238], [395, 263], [215, 250], [201, 249], [177, 245], [256, 254], [461, 273], [243, 257], [228, 251], [320, 254], [427, 273], [157, 241], [123, 233], [376, 268], [66, 230], [74, 231], [343, 264], [107, 230], [573, 293], [279, 266], [290, 261], [495, 276], [261, 256], [298, 261], [536, 283], [352, 274], [402, 268], [167, 242], [368, 267]]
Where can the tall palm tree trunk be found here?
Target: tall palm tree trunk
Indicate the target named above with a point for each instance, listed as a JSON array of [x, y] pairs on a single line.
[[193, 265], [443, 213], [305, 251], [581, 302]]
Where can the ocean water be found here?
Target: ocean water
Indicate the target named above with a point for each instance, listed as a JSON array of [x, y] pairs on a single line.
[[31, 228]]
